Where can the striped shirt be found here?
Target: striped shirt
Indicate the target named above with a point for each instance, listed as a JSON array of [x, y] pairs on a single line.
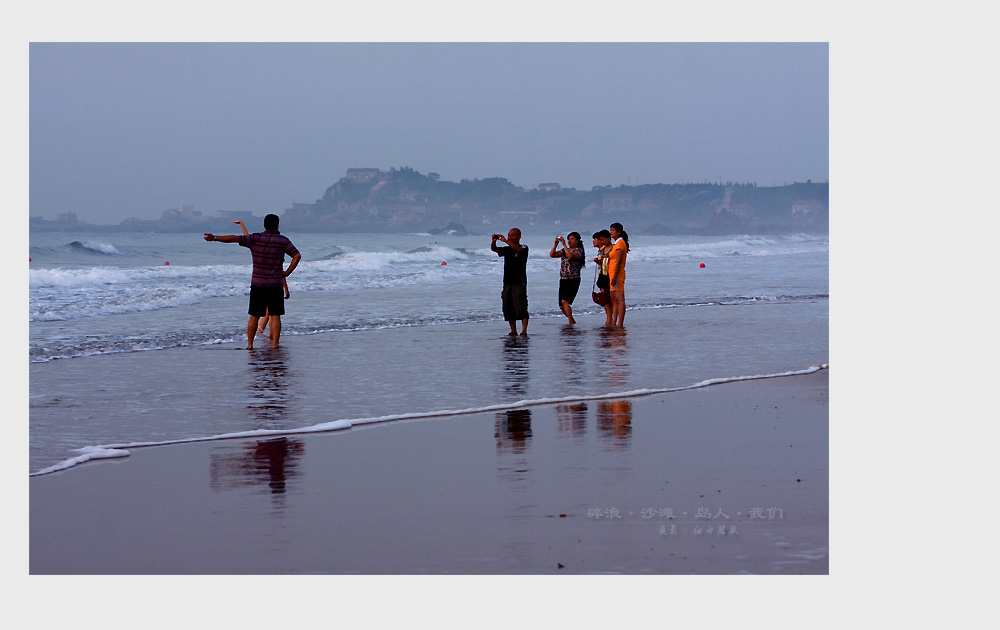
[[268, 250]]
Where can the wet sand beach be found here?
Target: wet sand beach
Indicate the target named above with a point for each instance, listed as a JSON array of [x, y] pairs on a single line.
[[725, 479]]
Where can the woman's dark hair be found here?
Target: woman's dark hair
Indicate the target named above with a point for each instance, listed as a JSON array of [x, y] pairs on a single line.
[[621, 230]]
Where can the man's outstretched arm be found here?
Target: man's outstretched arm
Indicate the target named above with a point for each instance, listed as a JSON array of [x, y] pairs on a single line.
[[229, 238]]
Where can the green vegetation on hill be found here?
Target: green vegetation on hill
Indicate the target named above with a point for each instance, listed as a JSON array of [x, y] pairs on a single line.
[[405, 199]]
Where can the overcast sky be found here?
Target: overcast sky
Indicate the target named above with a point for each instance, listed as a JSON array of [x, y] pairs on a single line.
[[129, 130]]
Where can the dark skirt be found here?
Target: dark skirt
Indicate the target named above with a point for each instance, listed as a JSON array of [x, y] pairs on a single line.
[[568, 288]]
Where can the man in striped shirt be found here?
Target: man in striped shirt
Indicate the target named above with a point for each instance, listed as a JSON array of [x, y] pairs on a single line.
[[267, 294]]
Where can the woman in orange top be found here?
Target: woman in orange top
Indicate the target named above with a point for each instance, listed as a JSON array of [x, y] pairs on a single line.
[[616, 268]]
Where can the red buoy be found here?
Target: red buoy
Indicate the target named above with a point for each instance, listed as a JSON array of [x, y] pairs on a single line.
[[443, 262], [702, 265], [167, 262]]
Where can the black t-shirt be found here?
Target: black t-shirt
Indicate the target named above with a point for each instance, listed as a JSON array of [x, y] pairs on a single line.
[[515, 264]]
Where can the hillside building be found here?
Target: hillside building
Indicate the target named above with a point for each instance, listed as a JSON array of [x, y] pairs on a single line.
[[362, 174], [187, 213], [805, 206]]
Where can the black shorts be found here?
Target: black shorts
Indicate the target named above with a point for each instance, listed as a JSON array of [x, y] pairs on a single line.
[[266, 301], [568, 288], [515, 302]]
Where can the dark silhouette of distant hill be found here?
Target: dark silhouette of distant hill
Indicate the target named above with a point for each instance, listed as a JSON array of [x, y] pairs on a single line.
[[372, 200]]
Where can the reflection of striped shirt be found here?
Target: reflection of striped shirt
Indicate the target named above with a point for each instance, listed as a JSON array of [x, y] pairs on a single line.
[[268, 250]]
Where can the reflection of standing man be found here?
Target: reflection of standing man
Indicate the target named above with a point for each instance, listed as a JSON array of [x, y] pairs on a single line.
[[515, 279], [513, 430], [267, 294]]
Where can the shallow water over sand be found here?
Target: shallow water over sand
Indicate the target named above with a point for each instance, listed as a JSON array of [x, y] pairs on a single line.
[[405, 335]]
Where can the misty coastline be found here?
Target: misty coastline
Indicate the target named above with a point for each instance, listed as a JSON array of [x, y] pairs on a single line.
[[404, 200]]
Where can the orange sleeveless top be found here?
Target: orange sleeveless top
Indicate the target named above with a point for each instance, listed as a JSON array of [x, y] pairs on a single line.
[[618, 251]]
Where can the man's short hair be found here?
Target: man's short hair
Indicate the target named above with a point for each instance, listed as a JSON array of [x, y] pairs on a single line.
[[271, 222]]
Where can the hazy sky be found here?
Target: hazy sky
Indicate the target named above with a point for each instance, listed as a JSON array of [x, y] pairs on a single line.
[[129, 130]]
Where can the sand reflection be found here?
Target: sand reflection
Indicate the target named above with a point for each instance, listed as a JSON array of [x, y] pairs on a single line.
[[265, 463], [614, 422], [269, 463], [571, 419], [515, 366], [267, 387], [613, 351], [573, 362], [513, 430]]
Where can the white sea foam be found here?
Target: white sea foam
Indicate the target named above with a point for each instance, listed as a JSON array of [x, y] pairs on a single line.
[[64, 293], [87, 454], [68, 278], [756, 246], [99, 248]]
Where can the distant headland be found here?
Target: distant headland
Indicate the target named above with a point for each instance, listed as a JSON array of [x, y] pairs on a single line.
[[404, 200]]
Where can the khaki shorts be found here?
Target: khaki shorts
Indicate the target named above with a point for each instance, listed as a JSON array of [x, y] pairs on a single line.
[[515, 302]]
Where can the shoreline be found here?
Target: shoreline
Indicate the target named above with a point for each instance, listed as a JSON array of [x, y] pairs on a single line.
[[119, 450], [625, 485]]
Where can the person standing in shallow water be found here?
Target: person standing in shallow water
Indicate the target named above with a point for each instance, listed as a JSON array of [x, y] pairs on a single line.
[[514, 296], [602, 241], [284, 284], [573, 260], [266, 291], [616, 269]]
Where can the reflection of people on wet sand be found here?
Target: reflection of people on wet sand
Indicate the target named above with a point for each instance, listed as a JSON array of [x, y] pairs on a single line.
[[513, 430], [273, 462], [572, 418], [262, 324], [268, 249], [573, 362], [614, 355], [514, 296], [515, 365], [614, 420], [267, 394], [277, 458]]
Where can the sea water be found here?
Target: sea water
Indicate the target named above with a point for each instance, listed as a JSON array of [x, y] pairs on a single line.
[[140, 338]]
